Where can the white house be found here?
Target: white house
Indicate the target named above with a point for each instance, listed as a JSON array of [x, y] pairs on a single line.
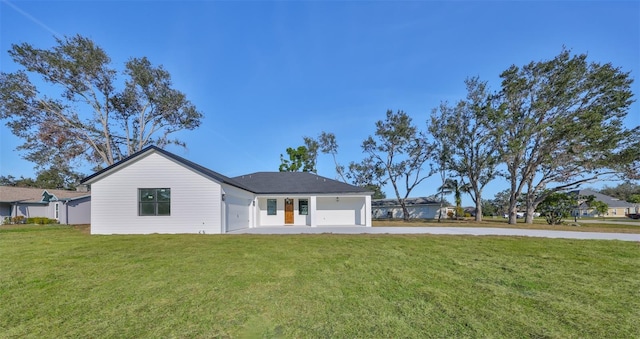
[[418, 208], [155, 191], [67, 207]]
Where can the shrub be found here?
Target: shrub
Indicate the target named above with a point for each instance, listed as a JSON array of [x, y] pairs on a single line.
[[41, 221], [18, 220], [450, 214]]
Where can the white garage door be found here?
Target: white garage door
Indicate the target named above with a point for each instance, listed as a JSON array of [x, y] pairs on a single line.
[[238, 213]]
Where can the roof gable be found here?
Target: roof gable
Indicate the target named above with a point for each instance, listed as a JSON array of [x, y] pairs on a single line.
[[154, 149], [259, 183]]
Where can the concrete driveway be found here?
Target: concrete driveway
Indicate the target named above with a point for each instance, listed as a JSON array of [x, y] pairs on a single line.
[[439, 230], [596, 221]]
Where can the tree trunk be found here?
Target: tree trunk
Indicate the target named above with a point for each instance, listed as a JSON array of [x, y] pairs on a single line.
[[478, 210], [405, 212], [529, 216], [513, 205]]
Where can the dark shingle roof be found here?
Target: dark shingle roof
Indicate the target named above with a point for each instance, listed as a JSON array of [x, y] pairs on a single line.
[[294, 183], [409, 202], [259, 183]]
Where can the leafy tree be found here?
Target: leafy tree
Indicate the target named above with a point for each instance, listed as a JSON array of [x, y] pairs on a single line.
[[501, 201], [92, 121], [312, 147], [377, 191], [600, 207], [562, 124], [58, 178], [10, 180], [557, 206], [51, 178], [465, 131], [327, 144], [441, 154], [365, 175], [457, 188], [489, 208], [397, 156], [299, 160], [622, 191]]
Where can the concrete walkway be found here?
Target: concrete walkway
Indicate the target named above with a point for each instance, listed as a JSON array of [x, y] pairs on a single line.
[[439, 230]]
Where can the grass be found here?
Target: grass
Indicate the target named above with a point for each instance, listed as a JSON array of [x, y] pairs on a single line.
[[57, 281], [594, 225]]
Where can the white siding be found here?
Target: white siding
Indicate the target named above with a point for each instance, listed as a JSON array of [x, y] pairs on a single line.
[[195, 199], [417, 212], [278, 220], [341, 211], [323, 211], [238, 208], [271, 220]]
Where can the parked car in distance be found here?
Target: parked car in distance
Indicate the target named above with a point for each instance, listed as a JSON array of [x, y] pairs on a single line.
[[519, 215]]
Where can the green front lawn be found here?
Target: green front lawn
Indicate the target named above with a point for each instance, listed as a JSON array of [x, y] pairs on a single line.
[[57, 281], [594, 225]]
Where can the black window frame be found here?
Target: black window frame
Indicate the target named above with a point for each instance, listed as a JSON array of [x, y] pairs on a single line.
[[301, 203], [272, 210], [155, 202]]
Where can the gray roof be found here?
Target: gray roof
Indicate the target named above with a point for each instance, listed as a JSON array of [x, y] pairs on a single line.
[[610, 201], [295, 183], [259, 183], [409, 202], [34, 195]]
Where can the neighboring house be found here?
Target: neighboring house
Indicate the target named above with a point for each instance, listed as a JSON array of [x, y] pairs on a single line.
[[155, 191], [617, 207], [68, 207], [418, 208]]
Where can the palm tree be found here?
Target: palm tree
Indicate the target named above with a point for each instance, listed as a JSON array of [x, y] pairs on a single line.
[[457, 188]]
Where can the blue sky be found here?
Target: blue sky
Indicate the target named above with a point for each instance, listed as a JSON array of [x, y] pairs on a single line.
[[267, 73]]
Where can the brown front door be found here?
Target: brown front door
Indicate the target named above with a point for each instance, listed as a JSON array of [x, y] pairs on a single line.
[[288, 211]]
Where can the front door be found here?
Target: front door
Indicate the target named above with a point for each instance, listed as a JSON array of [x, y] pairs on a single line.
[[288, 211]]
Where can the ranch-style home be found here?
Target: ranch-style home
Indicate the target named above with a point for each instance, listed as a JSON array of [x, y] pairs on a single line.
[[67, 207], [617, 208], [418, 208], [155, 191]]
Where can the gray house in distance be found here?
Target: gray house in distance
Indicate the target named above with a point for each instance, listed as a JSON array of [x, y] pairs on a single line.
[[68, 207]]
